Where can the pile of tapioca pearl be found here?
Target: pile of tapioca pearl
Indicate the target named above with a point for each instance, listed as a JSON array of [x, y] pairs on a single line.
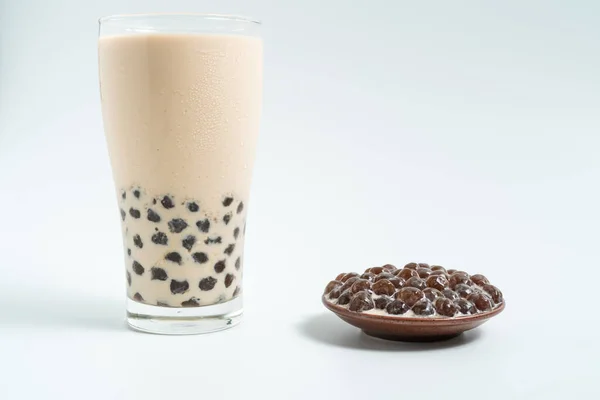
[[417, 289]]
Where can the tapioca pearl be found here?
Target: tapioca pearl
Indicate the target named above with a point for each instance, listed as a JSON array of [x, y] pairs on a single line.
[[236, 233], [173, 256], [238, 263], [138, 297], [203, 225], [167, 202], [229, 249], [397, 307], [219, 266], [227, 218], [445, 307], [382, 302], [227, 201], [423, 307], [137, 268], [412, 266], [123, 214], [200, 257], [188, 242], [136, 193], [179, 287], [176, 225], [207, 284], [153, 216], [240, 208], [160, 238], [361, 301], [192, 206], [236, 291], [229, 278], [494, 292], [128, 278], [216, 240], [137, 240], [344, 298], [193, 302], [128, 252], [135, 213], [158, 274]]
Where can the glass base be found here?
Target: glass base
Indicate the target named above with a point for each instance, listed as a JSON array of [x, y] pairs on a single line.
[[184, 321]]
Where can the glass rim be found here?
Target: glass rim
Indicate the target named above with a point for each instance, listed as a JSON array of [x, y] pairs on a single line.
[[224, 17]]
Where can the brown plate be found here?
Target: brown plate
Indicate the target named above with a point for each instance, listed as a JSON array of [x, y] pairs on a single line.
[[411, 329]]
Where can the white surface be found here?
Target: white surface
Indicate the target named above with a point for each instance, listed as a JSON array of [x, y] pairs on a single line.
[[460, 133]]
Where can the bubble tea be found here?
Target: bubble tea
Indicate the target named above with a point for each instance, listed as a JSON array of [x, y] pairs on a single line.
[[181, 102]]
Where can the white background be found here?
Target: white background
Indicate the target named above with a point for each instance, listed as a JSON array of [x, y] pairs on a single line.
[[464, 133]]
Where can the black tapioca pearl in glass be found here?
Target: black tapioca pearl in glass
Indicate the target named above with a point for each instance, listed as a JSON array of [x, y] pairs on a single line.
[[227, 201], [123, 214], [229, 278], [128, 252], [482, 301], [229, 249], [359, 285], [207, 284], [389, 268], [384, 275], [152, 216], [432, 294], [188, 242], [136, 193], [375, 270], [179, 287], [445, 307], [192, 206], [463, 290], [332, 285], [368, 276], [494, 292], [135, 213], [137, 268], [464, 306], [193, 302], [216, 240], [227, 218], [423, 308], [137, 240], [383, 286], [458, 278], [423, 272], [128, 275], [158, 274], [348, 276], [138, 297], [406, 273], [397, 307], [236, 292], [176, 225], [167, 202], [382, 302], [219, 266], [361, 301], [200, 257], [450, 294], [236, 233], [397, 282], [479, 279], [160, 238], [416, 283], [438, 268], [173, 256], [412, 266], [409, 295], [240, 208], [438, 282], [203, 225], [344, 298], [238, 263], [348, 283]]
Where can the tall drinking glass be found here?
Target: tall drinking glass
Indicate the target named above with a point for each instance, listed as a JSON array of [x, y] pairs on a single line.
[[181, 101]]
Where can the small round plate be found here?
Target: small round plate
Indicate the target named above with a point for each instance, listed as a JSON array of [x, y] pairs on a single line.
[[411, 329]]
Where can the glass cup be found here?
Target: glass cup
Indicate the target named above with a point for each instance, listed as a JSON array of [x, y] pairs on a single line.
[[181, 102]]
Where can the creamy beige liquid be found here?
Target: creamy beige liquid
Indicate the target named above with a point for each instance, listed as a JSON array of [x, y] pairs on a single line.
[[181, 116]]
